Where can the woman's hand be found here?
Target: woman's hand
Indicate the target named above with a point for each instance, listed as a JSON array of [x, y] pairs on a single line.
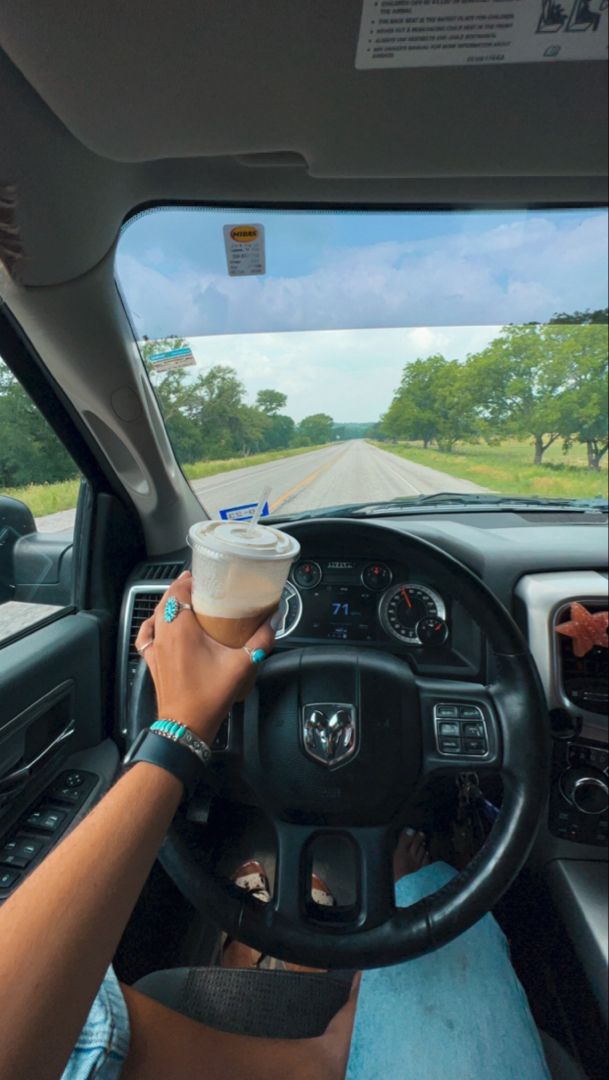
[[196, 679]]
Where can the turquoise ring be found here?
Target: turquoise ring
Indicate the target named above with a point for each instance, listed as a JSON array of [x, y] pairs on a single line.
[[256, 655], [173, 607]]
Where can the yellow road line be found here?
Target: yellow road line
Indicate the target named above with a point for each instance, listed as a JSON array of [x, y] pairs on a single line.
[[302, 484]]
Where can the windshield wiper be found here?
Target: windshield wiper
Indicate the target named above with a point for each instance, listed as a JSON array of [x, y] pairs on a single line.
[[444, 501]]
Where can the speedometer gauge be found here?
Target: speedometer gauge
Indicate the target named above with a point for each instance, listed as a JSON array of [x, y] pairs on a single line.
[[403, 607]]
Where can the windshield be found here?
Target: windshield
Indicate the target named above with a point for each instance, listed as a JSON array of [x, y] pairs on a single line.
[[340, 357]]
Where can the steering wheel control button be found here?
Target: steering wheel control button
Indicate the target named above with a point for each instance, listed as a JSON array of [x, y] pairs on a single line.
[[474, 746], [450, 746], [450, 730], [470, 712], [48, 821], [473, 731], [463, 736]]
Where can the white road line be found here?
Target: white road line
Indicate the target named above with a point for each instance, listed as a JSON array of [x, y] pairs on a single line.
[[396, 472]]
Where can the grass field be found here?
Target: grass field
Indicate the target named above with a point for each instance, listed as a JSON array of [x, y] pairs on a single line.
[[45, 499], [507, 468]]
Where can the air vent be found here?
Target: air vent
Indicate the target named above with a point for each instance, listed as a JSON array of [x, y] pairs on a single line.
[[585, 680], [160, 571], [144, 604]]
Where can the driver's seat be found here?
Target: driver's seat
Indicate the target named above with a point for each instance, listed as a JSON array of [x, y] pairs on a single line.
[[280, 1005]]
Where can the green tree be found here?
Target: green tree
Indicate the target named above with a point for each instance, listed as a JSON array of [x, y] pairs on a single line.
[[517, 384], [599, 317], [431, 403], [30, 452], [271, 401], [206, 413], [316, 429], [584, 414], [280, 432]]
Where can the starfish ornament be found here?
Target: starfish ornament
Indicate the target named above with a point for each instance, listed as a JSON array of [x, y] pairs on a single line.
[[586, 629]]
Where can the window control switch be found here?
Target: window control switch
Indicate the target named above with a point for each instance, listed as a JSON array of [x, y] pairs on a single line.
[[19, 851], [48, 821], [8, 879]]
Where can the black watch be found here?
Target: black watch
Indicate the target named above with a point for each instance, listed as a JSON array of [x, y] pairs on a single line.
[[169, 755]]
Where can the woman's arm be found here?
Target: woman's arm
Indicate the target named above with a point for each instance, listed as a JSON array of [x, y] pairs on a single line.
[[60, 929]]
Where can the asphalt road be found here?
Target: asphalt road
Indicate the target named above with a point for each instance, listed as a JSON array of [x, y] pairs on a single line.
[[348, 472]]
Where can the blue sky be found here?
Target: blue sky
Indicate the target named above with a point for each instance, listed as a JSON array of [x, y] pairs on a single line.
[[349, 298]]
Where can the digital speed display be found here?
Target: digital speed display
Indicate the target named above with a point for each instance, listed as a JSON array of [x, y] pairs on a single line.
[[340, 613]]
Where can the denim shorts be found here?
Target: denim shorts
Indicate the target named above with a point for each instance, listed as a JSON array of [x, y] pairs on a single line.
[[103, 1043]]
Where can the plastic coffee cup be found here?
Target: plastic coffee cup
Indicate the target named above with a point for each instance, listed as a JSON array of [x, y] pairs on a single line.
[[239, 572]]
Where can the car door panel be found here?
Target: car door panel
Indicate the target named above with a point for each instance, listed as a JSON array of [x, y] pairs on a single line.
[[50, 703]]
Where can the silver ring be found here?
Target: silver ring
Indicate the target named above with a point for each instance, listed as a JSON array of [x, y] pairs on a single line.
[[142, 648], [257, 656]]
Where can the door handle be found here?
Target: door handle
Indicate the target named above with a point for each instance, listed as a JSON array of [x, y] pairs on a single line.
[[17, 779]]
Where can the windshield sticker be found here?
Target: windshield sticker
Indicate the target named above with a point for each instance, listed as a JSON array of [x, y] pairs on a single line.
[[243, 513], [245, 253], [171, 359], [446, 33]]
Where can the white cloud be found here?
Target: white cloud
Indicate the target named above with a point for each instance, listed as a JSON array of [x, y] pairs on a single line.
[[350, 374], [520, 271]]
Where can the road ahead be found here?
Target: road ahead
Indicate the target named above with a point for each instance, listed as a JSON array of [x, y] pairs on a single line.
[[348, 472]]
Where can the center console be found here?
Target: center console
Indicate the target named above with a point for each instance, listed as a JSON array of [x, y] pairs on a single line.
[[579, 803]]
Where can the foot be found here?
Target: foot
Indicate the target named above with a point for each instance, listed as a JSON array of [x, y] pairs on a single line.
[[321, 895], [411, 854], [252, 877]]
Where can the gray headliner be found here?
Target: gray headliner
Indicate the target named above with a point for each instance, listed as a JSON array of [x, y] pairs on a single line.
[[126, 104], [109, 106]]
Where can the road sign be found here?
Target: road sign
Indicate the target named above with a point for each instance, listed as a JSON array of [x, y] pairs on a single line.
[[171, 359]]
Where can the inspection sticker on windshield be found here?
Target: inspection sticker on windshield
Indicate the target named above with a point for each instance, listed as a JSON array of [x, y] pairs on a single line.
[[245, 254], [445, 33], [243, 513]]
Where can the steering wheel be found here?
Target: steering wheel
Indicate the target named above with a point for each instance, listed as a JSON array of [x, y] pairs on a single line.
[[336, 741]]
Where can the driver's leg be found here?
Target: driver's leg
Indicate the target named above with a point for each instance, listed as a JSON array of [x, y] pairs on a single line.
[[459, 1011], [164, 1045]]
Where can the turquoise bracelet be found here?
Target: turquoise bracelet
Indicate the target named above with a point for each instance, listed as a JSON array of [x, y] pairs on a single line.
[[182, 735]]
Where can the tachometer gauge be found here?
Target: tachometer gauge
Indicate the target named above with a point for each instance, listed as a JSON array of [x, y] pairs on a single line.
[[403, 607]]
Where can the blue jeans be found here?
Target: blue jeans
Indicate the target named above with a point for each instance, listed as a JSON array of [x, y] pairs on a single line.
[[456, 1014], [459, 1013]]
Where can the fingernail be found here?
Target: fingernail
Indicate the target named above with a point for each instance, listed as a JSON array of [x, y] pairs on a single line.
[[410, 832], [184, 573]]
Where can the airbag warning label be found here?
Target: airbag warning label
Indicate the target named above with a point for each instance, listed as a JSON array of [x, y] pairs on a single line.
[[444, 33]]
